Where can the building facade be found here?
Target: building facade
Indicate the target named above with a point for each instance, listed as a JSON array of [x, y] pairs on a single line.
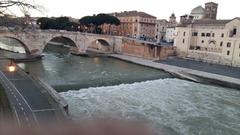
[[185, 19], [199, 13], [170, 30], [136, 25], [160, 30], [170, 34], [215, 41]]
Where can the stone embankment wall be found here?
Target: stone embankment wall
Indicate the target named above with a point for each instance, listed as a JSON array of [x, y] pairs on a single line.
[[146, 50], [210, 58]]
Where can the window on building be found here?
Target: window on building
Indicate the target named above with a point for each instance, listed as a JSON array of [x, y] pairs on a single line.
[[208, 34], [222, 35], [228, 52], [183, 40], [234, 31], [221, 44], [184, 33], [213, 34], [202, 41], [194, 34], [135, 29], [228, 44], [203, 34]]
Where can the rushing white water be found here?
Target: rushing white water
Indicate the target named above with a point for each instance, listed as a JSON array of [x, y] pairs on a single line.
[[172, 106]]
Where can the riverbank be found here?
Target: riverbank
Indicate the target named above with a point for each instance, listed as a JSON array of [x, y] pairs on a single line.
[[19, 57], [185, 73], [224, 70]]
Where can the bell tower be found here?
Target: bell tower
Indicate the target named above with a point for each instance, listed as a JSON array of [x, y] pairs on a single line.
[[211, 10]]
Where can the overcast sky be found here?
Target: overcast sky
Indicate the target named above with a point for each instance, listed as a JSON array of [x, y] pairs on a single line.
[[162, 9]]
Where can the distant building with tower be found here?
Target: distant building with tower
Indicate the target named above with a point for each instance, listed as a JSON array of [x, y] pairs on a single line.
[[199, 13], [211, 10], [165, 29], [208, 39]]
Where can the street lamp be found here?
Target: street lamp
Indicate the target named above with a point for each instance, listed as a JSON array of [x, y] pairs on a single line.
[[11, 67], [97, 42]]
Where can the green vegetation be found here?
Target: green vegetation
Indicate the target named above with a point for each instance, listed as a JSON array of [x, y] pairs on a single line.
[[60, 23], [5, 109], [86, 24], [93, 22]]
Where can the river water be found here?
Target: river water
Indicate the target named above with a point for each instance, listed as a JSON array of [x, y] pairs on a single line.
[[106, 87], [64, 71], [170, 106]]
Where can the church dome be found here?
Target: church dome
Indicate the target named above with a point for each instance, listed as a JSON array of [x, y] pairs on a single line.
[[198, 10]]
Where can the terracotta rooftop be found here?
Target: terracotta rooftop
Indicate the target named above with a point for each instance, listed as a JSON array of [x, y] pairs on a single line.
[[133, 13]]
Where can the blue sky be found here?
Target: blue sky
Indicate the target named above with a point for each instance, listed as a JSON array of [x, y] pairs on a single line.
[[159, 8]]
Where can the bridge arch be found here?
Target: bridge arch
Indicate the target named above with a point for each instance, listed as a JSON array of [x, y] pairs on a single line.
[[63, 41], [99, 45], [16, 41]]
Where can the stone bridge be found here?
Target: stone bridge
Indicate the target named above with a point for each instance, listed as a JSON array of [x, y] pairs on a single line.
[[34, 42]]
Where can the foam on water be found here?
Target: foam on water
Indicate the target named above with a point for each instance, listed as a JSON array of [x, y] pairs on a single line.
[[175, 106]]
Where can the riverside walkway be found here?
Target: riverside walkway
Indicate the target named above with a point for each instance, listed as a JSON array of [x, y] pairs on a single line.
[[184, 73], [30, 99]]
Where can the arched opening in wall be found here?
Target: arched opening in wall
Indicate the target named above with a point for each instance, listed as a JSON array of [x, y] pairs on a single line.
[[60, 45], [12, 45], [99, 46]]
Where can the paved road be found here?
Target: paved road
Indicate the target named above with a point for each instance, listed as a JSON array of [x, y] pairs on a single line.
[[20, 106], [31, 104], [203, 66]]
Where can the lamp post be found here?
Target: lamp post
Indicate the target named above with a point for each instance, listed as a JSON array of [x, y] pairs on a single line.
[[11, 66]]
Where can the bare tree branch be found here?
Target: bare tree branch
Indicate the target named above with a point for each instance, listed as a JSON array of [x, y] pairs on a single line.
[[14, 7]]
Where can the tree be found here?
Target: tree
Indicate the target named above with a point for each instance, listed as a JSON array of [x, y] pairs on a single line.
[[98, 20], [23, 5], [87, 21], [112, 20], [44, 23], [60, 23]]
